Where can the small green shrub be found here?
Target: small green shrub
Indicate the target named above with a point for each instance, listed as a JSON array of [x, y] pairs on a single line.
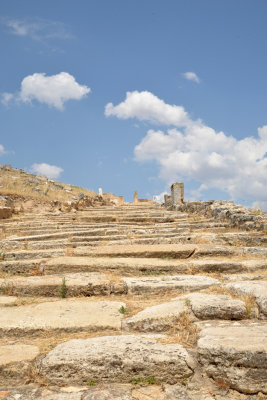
[[123, 310], [63, 289]]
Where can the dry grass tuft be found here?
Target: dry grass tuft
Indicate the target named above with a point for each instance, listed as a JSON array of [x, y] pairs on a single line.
[[184, 331], [37, 270], [23, 301], [7, 289], [69, 252], [34, 376], [250, 303], [220, 290]]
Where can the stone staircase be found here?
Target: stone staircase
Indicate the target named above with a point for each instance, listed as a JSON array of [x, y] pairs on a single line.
[[131, 302]]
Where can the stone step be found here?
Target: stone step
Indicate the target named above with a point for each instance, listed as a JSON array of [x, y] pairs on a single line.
[[177, 283], [115, 359], [157, 251], [33, 254], [127, 219], [131, 266], [67, 285], [66, 315], [236, 355], [164, 316], [96, 241], [91, 284]]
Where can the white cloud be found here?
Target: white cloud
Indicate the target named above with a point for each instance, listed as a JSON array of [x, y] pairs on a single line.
[[196, 151], [145, 106], [36, 28], [191, 76], [52, 90], [6, 98], [2, 150], [50, 171], [159, 197]]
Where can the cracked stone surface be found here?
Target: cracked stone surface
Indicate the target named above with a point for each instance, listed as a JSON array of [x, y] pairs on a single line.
[[209, 306], [115, 358], [65, 315], [236, 356], [156, 318], [180, 283]]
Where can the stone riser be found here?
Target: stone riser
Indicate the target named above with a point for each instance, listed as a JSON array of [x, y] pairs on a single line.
[[125, 268]]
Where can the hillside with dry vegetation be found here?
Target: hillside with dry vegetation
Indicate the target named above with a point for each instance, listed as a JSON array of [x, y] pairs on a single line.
[[22, 191]]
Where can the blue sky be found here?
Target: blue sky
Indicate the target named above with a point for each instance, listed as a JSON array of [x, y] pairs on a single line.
[[195, 74]]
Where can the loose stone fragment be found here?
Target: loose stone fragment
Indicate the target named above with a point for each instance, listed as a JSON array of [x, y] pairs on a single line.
[[236, 356], [115, 359]]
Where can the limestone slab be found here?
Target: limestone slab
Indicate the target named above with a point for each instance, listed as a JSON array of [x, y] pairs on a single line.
[[209, 306], [258, 289], [76, 284], [115, 359], [180, 283], [166, 250], [156, 318], [66, 315], [236, 355]]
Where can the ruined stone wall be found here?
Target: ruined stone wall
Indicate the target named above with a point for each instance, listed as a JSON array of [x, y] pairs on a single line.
[[236, 215]]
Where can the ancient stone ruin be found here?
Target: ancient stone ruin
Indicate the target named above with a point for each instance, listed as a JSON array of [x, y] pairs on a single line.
[[134, 301]]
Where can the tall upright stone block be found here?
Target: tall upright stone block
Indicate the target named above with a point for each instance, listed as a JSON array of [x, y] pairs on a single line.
[[100, 192], [135, 197], [177, 193]]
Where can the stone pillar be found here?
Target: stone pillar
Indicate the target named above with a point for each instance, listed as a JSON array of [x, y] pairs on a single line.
[[100, 192], [167, 200], [135, 197], [177, 193]]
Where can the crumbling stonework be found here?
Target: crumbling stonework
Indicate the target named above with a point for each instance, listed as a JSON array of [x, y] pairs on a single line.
[[236, 215]]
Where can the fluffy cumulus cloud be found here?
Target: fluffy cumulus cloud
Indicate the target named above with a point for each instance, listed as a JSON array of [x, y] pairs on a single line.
[[50, 171], [145, 106], [193, 150], [191, 76], [52, 90]]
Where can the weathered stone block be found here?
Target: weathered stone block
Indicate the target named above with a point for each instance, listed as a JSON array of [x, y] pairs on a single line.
[[177, 193]]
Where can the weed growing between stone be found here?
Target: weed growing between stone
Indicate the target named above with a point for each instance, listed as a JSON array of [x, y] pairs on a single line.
[[143, 381], [63, 289], [124, 310]]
